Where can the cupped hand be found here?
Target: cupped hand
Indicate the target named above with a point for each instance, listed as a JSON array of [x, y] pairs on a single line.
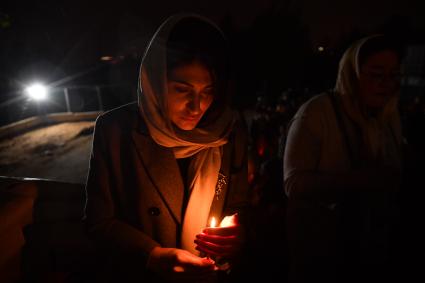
[[178, 265], [221, 241]]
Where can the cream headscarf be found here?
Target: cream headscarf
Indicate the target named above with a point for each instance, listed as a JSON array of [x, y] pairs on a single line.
[[373, 128], [204, 144]]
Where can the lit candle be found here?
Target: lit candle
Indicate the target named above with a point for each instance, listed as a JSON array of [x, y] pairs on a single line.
[[229, 220], [213, 222]]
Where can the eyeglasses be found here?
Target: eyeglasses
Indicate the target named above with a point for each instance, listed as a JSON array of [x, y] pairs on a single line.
[[380, 77]]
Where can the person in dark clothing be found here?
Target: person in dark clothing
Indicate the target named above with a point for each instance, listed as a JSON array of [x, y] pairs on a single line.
[[342, 170], [163, 167]]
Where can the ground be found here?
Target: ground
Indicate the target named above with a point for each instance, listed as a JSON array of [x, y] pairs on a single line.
[[59, 152]]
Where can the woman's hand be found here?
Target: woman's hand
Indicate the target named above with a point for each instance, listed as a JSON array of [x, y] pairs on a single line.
[[179, 265], [221, 241]]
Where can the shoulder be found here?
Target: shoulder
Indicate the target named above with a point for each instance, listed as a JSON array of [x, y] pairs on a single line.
[[315, 107], [313, 116], [119, 119]]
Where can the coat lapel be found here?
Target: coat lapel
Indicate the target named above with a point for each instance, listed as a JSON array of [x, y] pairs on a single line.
[[161, 166]]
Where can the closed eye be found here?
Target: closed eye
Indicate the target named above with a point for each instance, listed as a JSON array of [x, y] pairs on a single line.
[[180, 89], [208, 91]]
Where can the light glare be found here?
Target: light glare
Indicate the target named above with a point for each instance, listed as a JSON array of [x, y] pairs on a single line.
[[37, 91]]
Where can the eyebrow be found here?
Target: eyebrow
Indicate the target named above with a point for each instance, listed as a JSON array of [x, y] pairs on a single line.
[[188, 84]]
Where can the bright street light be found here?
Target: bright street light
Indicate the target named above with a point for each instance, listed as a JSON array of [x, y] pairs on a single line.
[[37, 91]]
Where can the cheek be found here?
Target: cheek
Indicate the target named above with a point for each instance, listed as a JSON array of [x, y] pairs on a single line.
[[174, 107], [393, 87], [206, 103], [369, 89], [365, 89]]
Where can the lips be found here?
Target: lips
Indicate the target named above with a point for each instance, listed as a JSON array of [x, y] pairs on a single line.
[[190, 118], [384, 94]]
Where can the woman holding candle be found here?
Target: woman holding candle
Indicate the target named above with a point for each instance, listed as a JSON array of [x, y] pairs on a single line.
[[160, 168], [342, 169]]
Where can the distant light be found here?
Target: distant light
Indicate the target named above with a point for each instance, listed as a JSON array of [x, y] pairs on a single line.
[[320, 48], [106, 58], [37, 91]]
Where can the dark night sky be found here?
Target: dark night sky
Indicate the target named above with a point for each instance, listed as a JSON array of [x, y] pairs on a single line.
[[59, 39], [333, 18]]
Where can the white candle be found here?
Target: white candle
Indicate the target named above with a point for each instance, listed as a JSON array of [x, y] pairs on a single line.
[[229, 220]]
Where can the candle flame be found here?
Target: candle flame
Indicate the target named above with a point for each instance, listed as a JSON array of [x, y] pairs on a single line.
[[228, 221], [213, 222]]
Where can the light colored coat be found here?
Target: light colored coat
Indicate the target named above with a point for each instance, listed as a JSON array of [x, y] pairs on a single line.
[[316, 227]]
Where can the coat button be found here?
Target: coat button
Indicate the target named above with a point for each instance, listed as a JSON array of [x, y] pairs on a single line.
[[154, 211]]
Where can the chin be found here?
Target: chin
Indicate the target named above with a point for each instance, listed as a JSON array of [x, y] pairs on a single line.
[[185, 126], [377, 103]]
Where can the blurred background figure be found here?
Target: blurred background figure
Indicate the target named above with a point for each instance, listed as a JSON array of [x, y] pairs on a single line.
[[342, 169]]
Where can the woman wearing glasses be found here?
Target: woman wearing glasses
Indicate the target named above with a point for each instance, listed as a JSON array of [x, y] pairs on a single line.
[[342, 169]]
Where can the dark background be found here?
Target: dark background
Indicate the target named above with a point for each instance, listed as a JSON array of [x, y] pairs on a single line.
[[274, 50], [274, 45]]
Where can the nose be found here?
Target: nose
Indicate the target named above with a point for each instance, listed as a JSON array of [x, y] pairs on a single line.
[[389, 84], [194, 105]]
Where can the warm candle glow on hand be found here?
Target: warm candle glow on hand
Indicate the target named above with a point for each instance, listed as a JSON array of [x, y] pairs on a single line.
[[221, 241]]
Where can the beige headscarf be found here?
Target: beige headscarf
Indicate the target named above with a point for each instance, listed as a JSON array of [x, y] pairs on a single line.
[[374, 129], [204, 144]]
